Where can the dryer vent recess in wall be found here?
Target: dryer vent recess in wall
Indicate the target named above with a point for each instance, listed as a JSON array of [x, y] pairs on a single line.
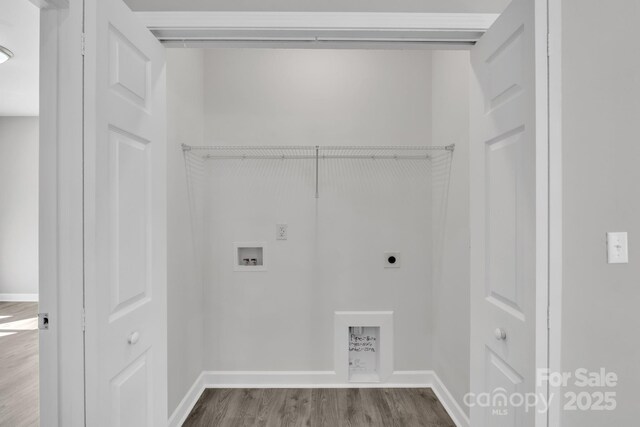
[[392, 260]]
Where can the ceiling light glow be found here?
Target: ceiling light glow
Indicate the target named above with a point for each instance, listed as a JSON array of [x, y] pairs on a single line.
[[5, 54]]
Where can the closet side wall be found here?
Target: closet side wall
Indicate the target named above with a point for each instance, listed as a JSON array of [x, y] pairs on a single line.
[[451, 224], [185, 69]]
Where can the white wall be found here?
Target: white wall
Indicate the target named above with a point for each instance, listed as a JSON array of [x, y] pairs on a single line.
[[317, 97], [184, 291], [450, 304], [18, 207], [282, 319], [601, 155]]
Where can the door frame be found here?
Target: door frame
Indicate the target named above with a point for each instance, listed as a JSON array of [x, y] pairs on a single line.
[[309, 30], [61, 159], [61, 275], [555, 203]]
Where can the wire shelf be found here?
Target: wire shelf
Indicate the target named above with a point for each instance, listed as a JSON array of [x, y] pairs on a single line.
[[317, 152]]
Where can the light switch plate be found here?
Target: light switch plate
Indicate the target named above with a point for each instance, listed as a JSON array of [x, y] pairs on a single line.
[[617, 248]]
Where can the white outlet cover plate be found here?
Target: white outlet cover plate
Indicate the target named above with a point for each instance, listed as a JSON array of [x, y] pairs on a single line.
[[617, 248], [281, 231], [388, 263]]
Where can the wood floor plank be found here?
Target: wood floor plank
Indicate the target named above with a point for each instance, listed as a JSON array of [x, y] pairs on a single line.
[[19, 392], [376, 405], [404, 407], [430, 408], [212, 408], [352, 407], [297, 410], [324, 408], [271, 409], [246, 411]]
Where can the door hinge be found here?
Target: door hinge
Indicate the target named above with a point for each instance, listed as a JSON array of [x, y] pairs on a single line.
[[83, 43], [43, 321], [83, 320]]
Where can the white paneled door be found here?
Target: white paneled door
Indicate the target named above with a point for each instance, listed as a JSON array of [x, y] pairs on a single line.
[[125, 219], [508, 217]]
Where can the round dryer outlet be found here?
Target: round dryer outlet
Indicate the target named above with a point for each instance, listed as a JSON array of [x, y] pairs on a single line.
[[392, 260]]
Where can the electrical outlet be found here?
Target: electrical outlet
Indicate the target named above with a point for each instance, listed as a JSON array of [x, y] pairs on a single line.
[[281, 231]]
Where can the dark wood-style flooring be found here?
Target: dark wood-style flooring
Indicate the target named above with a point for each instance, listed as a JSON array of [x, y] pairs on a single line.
[[19, 364], [319, 407]]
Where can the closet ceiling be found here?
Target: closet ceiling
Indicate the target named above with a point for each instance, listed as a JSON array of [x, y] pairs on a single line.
[[425, 6]]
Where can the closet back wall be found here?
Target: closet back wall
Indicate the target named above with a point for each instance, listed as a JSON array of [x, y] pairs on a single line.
[[317, 97], [282, 319]]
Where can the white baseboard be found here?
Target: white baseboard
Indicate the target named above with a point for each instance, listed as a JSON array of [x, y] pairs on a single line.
[[269, 379], [187, 403], [19, 297], [452, 407], [312, 379]]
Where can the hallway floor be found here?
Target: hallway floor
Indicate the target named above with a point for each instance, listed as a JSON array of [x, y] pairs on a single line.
[[319, 407], [19, 364]]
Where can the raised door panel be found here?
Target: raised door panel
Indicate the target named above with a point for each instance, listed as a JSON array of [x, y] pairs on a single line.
[[129, 164], [125, 219], [503, 186], [131, 395], [129, 69], [506, 385]]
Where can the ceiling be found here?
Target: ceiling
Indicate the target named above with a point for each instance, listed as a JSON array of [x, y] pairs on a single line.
[[433, 6], [20, 33]]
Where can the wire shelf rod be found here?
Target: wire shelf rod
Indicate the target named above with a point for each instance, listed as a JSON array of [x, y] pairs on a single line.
[[311, 149], [321, 157]]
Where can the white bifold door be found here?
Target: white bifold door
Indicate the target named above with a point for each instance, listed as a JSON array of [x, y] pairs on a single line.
[[125, 219], [509, 217]]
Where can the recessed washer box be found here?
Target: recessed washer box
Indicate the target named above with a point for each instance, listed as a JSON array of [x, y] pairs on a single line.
[[249, 256]]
